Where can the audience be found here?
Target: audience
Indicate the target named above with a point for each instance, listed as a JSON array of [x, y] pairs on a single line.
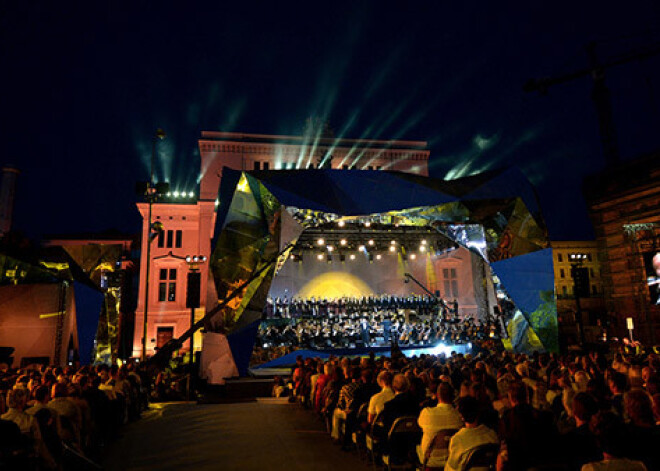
[[542, 411], [60, 419]]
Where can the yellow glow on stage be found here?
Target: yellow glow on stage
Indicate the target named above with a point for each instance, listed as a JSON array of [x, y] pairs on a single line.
[[335, 284]]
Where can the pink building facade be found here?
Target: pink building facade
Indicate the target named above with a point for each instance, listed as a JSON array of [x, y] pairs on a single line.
[[189, 220]]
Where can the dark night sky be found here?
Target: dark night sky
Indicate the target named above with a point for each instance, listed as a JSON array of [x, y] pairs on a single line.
[[83, 89]]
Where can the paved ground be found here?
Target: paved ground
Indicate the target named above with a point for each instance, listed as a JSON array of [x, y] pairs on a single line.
[[244, 436]]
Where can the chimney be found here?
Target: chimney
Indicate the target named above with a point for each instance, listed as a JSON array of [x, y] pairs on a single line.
[[8, 178]]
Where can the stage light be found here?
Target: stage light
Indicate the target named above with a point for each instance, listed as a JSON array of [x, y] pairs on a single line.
[[320, 241], [330, 248], [422, 248], [367, 224], [371, 242], [393, 242], [413, 256], [319, 256], [352, 256], [378, 256], [342, 242], [392, 248], [191, 194], [176, 194], [341, 223], [361, 248], [423, 241]]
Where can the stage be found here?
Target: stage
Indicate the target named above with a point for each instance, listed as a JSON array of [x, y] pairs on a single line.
[[284, 364]]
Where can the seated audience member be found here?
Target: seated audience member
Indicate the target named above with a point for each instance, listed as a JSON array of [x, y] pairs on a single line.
[[41, 398], [434, 419], [643, 435], [529, 434], [611, 436], [70, 420], [469, 437], [378, 400], [617, 384], [16, 402], [346, 402], [403, 403], [580, 444]]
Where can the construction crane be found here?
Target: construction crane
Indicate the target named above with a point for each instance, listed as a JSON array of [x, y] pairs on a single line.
[[600, 94]]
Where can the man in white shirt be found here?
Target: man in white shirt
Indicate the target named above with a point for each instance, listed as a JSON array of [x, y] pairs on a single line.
[[469, 437], [378, 400], [434, 419]]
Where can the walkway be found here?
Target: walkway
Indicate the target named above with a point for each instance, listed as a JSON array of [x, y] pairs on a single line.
[[244, 436]]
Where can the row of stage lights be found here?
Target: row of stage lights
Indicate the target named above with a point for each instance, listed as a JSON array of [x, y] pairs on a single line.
[[423, 247], [180, 194]]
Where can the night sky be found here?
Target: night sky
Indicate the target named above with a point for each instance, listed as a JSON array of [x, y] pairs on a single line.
[[84, 88]]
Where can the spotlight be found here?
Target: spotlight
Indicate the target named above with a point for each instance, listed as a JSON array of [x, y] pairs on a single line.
[[330, 248], [379, 256], [319, 256], [393, 242], [367, 224], [191, 194], [361, 248], [371, 242], [422, 248], [413, 256], [423, 241], [175, 194], [341, 223], [352, 256], [342, 242], [320, 241], [392, 248]]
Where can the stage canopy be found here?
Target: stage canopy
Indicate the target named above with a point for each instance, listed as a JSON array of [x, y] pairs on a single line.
[[495, 215]]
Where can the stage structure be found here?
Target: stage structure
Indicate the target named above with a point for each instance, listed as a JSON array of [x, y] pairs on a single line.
[[495, 215], [49, 308]]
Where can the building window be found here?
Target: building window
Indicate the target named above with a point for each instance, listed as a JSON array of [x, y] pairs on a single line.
[[594, 290], [266, 165], [344, 167], [589, 256], [560, 258], [161, 239], [564, 290], [257, 165], [562, 274], [167, 285], [170, 239], [450, 283], [179, 239]]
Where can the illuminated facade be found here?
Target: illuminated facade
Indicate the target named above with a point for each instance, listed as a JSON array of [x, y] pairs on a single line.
[[624, 203], [592, 306], [189, 218]]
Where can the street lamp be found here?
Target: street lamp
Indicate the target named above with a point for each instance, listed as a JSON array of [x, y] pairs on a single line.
[[580, 277], [193, 302], [151, 192]]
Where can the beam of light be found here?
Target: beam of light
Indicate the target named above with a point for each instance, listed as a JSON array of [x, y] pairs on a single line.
[[375, 84], [234, 112]]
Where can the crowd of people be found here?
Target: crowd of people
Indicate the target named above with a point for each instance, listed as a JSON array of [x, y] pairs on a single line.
[[369, 321], [372, 330], [513, 411], [62, 418], [298, 307]]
